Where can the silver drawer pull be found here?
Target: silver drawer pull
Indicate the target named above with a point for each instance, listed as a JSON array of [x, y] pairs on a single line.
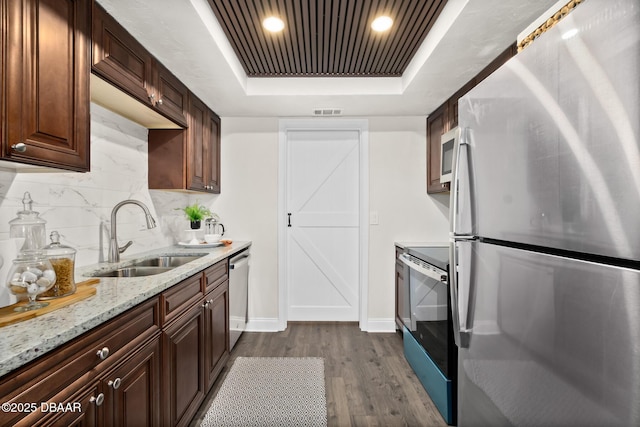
[[115, 383], [104, 353], [97, 400]]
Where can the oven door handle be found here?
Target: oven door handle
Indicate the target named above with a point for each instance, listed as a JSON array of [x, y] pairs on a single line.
[[440, 277]]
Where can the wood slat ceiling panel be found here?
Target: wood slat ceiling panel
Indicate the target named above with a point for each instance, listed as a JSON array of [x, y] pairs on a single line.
[[326, 37]]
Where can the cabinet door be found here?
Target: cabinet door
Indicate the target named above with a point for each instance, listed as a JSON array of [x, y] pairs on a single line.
[[46, 80], [119, 58], [216, 332], [197, 162], [171, 97], [212, 152], [183, 367], [83, 410], [132, 391], [436, 126]]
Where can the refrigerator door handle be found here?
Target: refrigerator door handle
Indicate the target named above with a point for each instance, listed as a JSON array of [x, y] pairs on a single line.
[[460, 215], [460, 297]]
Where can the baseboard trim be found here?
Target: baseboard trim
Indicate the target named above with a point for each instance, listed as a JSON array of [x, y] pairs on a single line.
[[274, 325], [381, 325], [263, 325]]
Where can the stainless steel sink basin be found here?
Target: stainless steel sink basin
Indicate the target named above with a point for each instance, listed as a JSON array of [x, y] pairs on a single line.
[[171, 261], [149, 267], [133, 272]]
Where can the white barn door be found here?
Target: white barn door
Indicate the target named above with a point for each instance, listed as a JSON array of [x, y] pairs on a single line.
[[322, 232]]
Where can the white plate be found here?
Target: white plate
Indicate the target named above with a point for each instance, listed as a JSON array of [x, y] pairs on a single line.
[[200, 245]]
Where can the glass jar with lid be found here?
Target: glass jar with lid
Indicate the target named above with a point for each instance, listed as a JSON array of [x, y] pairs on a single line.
[[29, 226], [62, 259], [28, 277]]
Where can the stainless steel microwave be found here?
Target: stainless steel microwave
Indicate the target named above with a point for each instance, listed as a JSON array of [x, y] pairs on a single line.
[[448, 142]]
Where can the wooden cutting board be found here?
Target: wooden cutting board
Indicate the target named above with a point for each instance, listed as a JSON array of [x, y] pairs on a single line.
[[83, 290]]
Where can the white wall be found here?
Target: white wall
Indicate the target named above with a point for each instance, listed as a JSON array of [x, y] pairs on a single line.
[[248, 204], [398, 193]]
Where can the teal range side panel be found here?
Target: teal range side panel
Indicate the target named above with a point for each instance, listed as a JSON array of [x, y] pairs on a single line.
[[432, 379]]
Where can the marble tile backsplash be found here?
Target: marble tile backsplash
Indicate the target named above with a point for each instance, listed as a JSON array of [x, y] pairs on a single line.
[[78, 205]]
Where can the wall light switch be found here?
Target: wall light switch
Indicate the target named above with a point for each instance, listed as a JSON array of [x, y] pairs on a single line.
[[373, 218]]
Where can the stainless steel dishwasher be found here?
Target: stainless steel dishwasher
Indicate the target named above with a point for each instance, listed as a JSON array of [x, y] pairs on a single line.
[[238, 295]]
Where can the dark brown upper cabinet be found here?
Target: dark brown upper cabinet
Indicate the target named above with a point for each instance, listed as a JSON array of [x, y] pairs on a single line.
[[445, 118], [187, 159], [123, 62], [437, 124], [45, 82]]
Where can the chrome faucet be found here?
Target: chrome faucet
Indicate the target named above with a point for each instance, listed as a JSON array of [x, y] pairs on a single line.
[[114, 249]]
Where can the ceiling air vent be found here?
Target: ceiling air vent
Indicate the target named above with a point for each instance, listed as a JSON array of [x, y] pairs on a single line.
[[325, 112]]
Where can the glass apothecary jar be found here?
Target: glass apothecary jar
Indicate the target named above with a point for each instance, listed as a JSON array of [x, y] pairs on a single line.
[[62, 259], [30, 226], [29, 277]]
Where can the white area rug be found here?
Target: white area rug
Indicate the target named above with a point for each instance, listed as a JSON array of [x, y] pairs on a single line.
[[271, 391]]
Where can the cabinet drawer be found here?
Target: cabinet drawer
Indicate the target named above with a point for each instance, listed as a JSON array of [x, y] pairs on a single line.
[[216, 275], [63, 371], [180, 298]]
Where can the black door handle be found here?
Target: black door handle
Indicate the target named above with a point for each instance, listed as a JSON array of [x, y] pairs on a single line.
[[289, 220]]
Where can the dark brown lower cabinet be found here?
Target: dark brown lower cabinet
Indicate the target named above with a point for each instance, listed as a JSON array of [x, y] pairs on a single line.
[[216, 332], [161, 358], [127, 395], [86, 417], [132, 390], [183, 366]]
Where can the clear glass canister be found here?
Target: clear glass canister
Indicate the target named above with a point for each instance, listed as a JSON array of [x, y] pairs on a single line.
[[62, 259], [29, 277], [30, 226]]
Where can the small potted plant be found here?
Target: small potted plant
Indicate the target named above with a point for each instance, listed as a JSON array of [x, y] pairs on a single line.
[[196, 213]]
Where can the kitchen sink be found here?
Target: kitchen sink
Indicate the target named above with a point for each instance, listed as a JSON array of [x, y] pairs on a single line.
[[133, 272], [169, 261], [149, 267]]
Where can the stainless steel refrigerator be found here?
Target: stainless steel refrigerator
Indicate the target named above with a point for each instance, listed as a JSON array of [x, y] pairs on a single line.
[[545, 226]]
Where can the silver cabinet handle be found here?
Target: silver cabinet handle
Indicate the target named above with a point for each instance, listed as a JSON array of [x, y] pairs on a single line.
[[104, 353], [152, 96], [160, 101], [205, 304], [99, 400], [115, 383], [20, 147]]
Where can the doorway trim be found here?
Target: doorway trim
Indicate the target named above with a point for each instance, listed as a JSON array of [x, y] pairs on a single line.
[[362, 127]]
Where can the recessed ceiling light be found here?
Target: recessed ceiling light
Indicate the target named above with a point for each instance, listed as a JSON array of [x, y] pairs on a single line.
[[381, 23], [273, 24]]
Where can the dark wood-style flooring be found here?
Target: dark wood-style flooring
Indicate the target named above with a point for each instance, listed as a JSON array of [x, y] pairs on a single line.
[[368, 380]]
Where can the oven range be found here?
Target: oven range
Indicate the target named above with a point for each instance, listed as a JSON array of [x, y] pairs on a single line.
[[429, 345]]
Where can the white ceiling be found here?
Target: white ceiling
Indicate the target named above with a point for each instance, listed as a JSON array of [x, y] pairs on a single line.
[[185, 36]]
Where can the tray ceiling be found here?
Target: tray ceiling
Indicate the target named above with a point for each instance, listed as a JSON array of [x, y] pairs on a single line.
[[326, 38]]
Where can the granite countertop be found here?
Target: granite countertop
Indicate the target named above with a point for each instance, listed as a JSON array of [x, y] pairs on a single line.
[[24, 341]]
